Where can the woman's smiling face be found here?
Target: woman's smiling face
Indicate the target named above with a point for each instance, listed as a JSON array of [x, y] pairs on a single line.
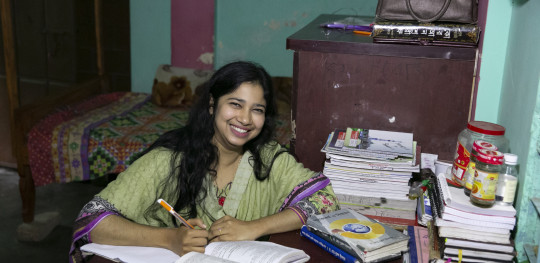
[[239, 116]]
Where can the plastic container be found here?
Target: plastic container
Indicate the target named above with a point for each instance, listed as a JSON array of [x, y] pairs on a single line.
[[471, 167], [476, 130], [508, 180], [486, 177]]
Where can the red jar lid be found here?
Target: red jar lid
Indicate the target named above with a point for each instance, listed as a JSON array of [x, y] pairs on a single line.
[[486, 128], [479, 144], [490, 157]]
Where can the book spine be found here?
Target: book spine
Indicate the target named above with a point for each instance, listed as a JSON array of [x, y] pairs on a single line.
[[335, 241], [369, 201], [378, 211], [394, 222], [448, 248], [374, 166], [412, 244], [426, 204], [363, 153], [329, 247], [447, 32], [435, 242]]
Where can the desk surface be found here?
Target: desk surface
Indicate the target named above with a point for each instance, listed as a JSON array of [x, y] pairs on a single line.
[[290, 239], [315, 38], [293, 239]]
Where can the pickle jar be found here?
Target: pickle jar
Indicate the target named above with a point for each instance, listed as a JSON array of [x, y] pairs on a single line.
[[486, 177], [468, 178], [476, 130]]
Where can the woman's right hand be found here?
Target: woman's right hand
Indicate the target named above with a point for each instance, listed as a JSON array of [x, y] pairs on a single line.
[[186, 240]]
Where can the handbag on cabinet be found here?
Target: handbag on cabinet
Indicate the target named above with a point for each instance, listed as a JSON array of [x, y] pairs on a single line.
[[453, 11], [427, 22]]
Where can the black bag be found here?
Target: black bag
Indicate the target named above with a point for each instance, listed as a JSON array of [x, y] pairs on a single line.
[[454, 11]]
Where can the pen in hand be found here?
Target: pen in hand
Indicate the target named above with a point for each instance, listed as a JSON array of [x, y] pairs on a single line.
[[171, 210]]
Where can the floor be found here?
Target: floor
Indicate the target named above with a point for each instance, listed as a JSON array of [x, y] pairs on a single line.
[[66, 199]]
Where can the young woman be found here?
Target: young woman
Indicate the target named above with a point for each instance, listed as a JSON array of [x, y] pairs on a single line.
[[222, 172]]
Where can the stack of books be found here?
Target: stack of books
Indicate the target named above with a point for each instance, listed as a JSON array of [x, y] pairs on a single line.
[[370, 172], [470, 232], [353, 237]]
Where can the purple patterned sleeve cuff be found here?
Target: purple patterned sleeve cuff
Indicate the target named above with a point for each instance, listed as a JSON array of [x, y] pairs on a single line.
[[89, 217], [312, 197]]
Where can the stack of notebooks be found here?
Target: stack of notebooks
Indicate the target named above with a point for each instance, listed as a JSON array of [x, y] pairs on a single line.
[[353, 237], [470, 233], [370, 172]]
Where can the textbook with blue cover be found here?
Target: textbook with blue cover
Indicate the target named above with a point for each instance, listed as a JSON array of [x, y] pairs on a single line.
[[335, 251], [365, 238]]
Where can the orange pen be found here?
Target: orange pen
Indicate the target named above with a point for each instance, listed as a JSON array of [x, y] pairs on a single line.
[[171, 210], [365, 33]]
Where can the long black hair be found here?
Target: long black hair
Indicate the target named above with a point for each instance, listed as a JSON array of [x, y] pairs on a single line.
[[194, 154]]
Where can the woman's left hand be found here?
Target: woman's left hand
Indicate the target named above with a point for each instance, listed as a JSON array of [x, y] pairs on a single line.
[[229, 228]]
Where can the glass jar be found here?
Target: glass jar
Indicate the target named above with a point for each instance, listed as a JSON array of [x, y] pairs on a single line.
[[486, 177], [476, 130], [471, 167]]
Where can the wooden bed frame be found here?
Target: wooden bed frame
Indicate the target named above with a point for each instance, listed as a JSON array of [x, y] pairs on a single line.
[[23, 118]]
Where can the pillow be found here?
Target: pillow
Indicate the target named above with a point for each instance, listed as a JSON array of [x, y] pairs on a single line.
[[174, 87]]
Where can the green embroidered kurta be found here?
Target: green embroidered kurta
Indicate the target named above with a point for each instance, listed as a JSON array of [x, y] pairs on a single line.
[[248, 199]]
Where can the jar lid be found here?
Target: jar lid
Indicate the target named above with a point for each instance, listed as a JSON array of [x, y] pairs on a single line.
[[486, 128], [490, 157], [479, 144], [510, 158]]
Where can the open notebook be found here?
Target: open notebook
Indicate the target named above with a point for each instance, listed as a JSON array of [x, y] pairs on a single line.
[[232, 251]]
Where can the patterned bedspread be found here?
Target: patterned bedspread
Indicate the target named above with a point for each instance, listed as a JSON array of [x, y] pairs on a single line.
[[104, 135]]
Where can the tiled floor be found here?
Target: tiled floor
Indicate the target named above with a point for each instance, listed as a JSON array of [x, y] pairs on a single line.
[[66, 199]]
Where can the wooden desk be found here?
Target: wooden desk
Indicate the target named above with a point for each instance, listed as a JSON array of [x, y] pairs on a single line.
[[342, 79], [290, 239], [293, 239]]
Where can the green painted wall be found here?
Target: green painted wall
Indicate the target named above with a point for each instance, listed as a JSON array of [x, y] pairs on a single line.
[[257, 30], [266, 29], [519, 109], [493, 60], [150, 23]]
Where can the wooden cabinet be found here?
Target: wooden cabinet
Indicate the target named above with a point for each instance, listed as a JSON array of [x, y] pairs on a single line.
[[342, 79], [55, 47], [45, 33]]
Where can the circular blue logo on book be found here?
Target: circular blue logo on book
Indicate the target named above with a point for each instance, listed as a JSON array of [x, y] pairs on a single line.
[[356, 228]]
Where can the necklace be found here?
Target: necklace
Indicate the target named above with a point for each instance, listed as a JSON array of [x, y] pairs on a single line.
[[221, 194]]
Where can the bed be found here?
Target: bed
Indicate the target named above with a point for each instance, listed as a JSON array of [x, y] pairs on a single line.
[[104, 134], [88, 132]]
